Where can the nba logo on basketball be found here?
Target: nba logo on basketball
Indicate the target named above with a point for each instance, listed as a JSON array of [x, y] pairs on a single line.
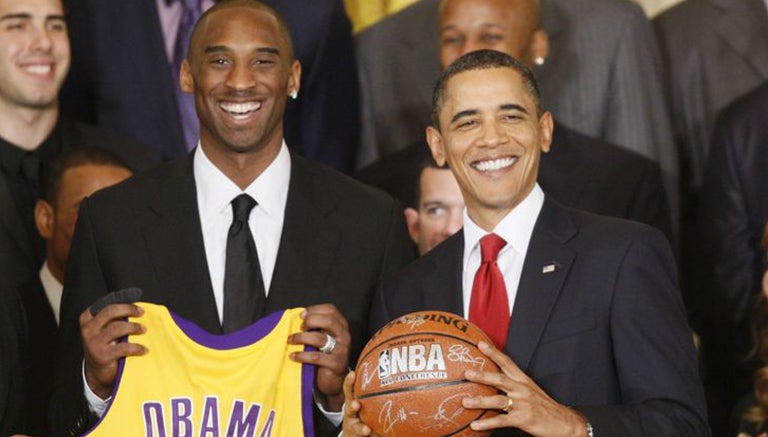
[[384, 364]]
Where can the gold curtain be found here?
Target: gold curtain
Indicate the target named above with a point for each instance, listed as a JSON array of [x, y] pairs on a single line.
[[363, 13]]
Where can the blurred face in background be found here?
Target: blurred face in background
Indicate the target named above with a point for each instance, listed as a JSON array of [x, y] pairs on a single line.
[[440, 209]]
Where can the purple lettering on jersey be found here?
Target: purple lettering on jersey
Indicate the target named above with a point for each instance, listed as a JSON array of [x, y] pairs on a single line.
[[154, 421], [266, 431], [181, 413], [240, 426], [244, 337], [209, 426]]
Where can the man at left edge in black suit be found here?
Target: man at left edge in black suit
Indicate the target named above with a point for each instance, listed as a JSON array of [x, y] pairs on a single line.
[[323, 240], [34, 60]]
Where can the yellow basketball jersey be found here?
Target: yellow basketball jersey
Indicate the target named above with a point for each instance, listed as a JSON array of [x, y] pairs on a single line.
[[195, 384]]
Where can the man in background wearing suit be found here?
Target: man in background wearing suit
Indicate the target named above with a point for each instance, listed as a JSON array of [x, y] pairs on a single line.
[[323, 241], [73, 175], [713, 51], [731, 264], [586, 308], [33, 63], [125, 71], [601, 78], [580, 172]]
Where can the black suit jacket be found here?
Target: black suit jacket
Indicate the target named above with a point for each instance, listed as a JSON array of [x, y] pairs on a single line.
[[39, 362], [339, 238], [121, 78], [19, 261], [12, 340], [604, 333], [579, 171]]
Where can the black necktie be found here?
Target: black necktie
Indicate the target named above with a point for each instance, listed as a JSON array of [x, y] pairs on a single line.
[[244, 297]]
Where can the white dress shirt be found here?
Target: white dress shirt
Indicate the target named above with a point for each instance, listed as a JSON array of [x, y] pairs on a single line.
[[214, 196], [516, 229], [53, 290]]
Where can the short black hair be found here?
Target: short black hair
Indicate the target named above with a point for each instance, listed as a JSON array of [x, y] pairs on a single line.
[[282, 25], [74, 157], [428, 162], [483, 60]]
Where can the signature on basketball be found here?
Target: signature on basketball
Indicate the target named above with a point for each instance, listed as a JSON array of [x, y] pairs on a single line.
[[447, 411], [388, 419], [367, 375], [415, 322], [460, 353]]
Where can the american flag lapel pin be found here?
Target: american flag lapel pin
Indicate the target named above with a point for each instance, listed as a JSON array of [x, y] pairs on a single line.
[[549, 268]]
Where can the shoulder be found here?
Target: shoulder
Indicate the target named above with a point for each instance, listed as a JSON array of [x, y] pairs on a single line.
[[328, 186], [585, 231]]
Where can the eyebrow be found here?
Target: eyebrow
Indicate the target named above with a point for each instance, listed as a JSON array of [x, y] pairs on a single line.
[[504, 107], [28, 16], [220, 48]]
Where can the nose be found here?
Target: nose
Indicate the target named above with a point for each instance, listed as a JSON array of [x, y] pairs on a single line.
[[454, 222], [41, 38], [239, 77], [493, 134]]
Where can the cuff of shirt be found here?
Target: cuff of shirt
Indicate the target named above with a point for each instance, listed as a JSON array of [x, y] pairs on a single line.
[[335, 417], [96, 404]]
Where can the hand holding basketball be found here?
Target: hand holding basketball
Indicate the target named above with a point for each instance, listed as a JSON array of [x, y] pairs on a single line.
[[532, 410], [410, 377]]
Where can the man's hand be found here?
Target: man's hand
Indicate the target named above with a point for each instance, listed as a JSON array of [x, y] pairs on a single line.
[[352, 426], [530, 410], [320, 321], [102, 347]]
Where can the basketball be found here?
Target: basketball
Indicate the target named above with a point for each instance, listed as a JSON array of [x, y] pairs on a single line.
[[410, 377]]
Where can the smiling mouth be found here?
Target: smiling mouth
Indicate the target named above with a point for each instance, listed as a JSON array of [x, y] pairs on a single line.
[[494, 164], [38, 69], [240, 111]]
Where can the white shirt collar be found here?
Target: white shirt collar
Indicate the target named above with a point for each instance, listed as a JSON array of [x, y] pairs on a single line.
[[216, 191], [515, 228], [53, 289]]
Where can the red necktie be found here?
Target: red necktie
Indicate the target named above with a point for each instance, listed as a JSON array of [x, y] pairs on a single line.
[[489, 305]]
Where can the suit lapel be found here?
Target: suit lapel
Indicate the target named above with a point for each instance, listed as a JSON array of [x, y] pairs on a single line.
[[308, 242], [174, 239], [544, 271], [742, 25], [443, 284]]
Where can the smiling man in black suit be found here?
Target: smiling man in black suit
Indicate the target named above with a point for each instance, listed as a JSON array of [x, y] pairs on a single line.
[[592, 326], [323, 241]]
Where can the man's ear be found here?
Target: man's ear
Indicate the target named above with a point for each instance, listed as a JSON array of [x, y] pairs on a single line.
[[294, 78], [546, 127], [539, 46], [436, 145], [412, 219], [44, 219], [186, 79]]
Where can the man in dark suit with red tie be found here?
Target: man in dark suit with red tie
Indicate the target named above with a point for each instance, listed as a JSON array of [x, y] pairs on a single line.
[[588, 321]]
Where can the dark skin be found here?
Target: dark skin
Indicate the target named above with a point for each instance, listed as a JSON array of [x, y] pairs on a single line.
[[239, 58]]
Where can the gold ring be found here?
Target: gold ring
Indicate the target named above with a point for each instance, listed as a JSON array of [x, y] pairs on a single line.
[[510, 404]]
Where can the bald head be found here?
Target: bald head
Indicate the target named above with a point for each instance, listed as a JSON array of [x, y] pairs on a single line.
[[509, 26], [201, 27]]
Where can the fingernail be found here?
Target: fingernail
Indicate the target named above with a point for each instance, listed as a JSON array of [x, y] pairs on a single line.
[[471, 374]]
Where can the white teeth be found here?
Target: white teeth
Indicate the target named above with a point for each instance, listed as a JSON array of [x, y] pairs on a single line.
[[238, 109], [38, 69], [495, 164]]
